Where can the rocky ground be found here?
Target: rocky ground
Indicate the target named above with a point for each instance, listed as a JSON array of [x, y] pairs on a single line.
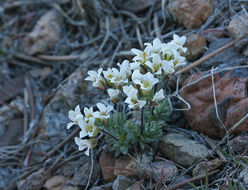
[[46, 49]]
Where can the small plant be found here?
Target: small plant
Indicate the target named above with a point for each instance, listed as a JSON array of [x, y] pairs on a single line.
[[140, 84]]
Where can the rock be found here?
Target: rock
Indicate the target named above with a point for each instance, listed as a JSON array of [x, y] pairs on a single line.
[[68, 168], [33, 181], [232, 102], [121, 183], [45, 33], [81, 175], [63, 187], [55, 181], [125, 166], [240, 144], [182, 150], [107, 160], [134, 6], [212, 165], [238, 26], [229, 56], [128, 167], [107, 186], [243, 176], [136, 186], [196, 46], [155, 169], [191, 13]]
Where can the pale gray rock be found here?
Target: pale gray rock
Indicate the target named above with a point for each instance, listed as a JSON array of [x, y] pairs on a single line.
[[182, 150]]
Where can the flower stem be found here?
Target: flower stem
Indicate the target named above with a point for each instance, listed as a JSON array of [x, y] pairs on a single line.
[[109, 134], [154, 92], [142, 121]]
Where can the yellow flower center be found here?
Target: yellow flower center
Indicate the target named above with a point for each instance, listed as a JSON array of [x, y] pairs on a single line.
[[134, 100], [89, 128], [146, 84], [110, 76], [90, 115]]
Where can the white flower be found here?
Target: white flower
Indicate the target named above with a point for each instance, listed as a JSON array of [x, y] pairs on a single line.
[[155, 65], [155, 47], [179, 41], [125, 66], [108, 75], [120, 78], [133, 101], [89, 113], [146, 81], [178, 61], [128, 89], [88, 128], [168, 67], [96, 78], [135, 65], [140, 56], [83, 144], [75, 116], [114, 95], [168, 51], [104, 110], [158, 96]]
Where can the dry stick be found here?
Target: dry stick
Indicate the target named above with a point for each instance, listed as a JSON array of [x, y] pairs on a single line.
[[193, 179], [91, 169], [25, 117], [156, 25], [31, 99], [109, 134], [58, 57], [198, 62], [139, 38], [30, 59], [63, 142], [213, 146], [54, 164], [215, 101]]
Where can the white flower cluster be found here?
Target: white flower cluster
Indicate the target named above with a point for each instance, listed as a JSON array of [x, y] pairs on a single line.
[[136, 80], [162, 58], [87, 123]]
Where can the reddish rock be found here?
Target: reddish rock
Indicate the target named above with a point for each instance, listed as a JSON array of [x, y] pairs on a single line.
[[196, 46], [191, 13], [232, 102], [154, 170], [107, 160], [125, 166], [240, 144]]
